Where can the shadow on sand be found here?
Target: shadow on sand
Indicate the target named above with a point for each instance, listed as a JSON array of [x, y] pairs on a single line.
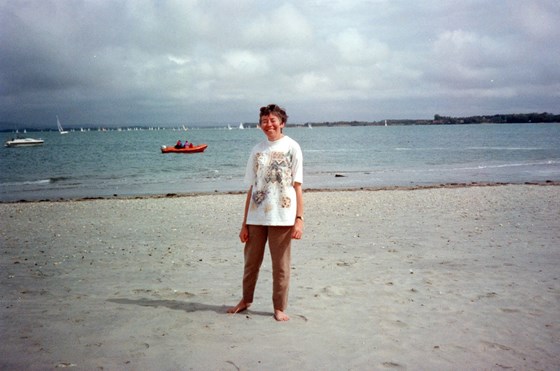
[[188, 307]]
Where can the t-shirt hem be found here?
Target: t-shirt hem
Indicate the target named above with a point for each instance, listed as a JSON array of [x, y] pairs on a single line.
[[272, 224]]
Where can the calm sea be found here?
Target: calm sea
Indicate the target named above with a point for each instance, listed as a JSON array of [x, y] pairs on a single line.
[[126, 163]]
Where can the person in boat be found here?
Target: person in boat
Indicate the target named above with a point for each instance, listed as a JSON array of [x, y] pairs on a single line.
[[179, 144], [273, 209], [186, 145]]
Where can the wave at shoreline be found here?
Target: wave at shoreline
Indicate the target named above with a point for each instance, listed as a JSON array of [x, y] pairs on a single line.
[[306, 190]]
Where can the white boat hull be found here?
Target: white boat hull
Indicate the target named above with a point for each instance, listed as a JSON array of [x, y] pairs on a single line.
[[24, 142]]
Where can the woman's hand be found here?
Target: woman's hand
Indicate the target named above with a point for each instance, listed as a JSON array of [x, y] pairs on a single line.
[[297, 230], [244, 234]]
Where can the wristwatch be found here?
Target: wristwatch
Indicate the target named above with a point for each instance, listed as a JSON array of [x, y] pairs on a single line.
[[300, 217]]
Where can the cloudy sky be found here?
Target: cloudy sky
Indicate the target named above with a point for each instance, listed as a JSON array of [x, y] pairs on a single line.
[[104, 62]]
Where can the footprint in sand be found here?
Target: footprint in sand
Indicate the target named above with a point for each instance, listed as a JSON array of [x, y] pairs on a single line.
[[393, 365], [334, 291]]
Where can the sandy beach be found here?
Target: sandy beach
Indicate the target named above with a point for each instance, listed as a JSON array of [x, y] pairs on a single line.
[[434, 279]]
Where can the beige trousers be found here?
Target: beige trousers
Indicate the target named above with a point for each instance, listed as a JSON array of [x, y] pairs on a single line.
[[279, 243]]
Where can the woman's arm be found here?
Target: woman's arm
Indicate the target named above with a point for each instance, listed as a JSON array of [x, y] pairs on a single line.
[[297, 231], [244, 234]]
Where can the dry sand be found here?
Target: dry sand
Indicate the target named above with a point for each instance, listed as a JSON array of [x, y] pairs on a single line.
[[434, 279]]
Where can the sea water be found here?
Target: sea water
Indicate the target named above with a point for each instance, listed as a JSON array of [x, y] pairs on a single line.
[[129, 163]]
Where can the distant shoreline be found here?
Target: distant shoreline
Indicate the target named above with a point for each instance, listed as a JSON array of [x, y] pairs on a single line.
[[306, 190], [517, 118]]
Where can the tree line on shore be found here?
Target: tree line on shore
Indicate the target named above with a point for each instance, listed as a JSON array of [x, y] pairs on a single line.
[[511, 118]]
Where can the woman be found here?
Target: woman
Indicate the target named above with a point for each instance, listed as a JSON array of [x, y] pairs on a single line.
[[273, 209]]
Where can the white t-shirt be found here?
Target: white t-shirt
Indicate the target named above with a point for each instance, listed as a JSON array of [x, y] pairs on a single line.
[[272, 170]]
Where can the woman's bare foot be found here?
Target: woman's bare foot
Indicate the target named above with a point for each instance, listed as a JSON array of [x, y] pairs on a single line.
[[240, 307], [280, 316]]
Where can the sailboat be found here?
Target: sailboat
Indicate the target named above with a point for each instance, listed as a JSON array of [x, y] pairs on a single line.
[[60, 129], [241, 126]]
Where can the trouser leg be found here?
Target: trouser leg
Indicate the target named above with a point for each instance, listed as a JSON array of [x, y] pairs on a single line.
[[254, 252], [279, 241]]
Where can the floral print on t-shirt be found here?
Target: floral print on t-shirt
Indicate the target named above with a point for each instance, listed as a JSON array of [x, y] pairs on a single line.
[[275, 169]]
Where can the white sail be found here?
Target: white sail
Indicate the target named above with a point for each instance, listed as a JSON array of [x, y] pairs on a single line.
[[60, 129], [241, 127]]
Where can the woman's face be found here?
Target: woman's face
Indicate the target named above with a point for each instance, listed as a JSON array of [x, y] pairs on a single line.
[[272, 126]]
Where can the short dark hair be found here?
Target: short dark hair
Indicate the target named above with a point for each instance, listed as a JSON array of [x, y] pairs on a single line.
[[275, 110]]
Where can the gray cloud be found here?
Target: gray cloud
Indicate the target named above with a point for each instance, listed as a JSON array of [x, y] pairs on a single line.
[[158, 62]]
